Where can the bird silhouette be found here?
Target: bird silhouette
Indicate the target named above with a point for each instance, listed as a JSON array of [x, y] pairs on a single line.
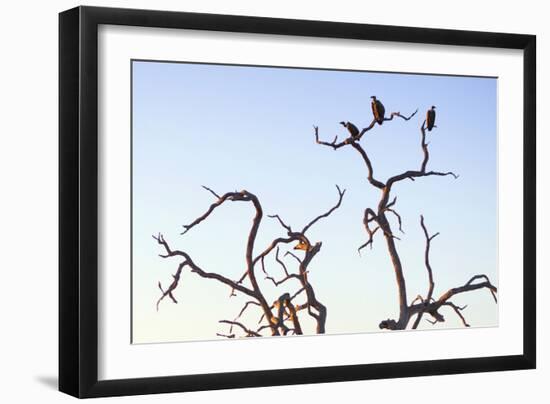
[[378, 110], [430, 118], [352, 129]]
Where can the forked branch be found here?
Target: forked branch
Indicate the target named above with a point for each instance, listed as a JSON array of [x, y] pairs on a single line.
[[432, 306], [281, 317], [376, 219]]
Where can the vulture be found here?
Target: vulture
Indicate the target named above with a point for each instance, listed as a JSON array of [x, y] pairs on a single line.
[[430, 118], [302, 245], [352, 129], [378, 110]]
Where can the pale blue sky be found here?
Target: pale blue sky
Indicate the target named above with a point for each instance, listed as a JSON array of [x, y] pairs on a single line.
[[237, 127]]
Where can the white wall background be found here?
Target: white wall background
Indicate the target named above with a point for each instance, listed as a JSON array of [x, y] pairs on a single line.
[[28, 202]]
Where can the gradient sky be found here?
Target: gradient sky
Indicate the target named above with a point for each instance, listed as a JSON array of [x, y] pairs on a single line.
[[237, 127]]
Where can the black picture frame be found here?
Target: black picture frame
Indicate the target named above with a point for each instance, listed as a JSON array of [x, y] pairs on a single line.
[[78, 201]]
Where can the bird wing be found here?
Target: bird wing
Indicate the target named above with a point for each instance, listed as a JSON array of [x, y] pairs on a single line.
[[353, 129], [374, 109], [381, 109], [430, 118]]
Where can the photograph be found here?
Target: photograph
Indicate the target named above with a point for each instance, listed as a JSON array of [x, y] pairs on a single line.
[[271, 201]]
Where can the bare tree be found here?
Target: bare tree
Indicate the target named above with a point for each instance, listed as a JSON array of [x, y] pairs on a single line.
[[376, 220], [281, 316]]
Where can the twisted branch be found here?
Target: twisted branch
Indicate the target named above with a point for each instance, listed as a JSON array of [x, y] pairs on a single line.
[[431, 284], [375, 220], [285, 309], [195, 268]]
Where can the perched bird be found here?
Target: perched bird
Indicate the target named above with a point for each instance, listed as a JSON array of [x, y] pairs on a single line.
[[430, 118], [302, 245], [352, 129], [378, 110]]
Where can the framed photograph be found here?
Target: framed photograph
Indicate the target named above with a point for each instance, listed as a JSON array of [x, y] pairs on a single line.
[[251, 201]]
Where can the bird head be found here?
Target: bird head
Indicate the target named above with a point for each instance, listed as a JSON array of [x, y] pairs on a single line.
[[433, 106], [373, 97], [302, 245], [343, 123]]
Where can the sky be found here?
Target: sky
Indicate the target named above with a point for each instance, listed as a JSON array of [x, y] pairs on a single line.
[[240, 127]]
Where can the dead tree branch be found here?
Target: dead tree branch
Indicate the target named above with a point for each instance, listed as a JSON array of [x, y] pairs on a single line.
[[431, 284], [281, 317], [375, 219], [327, 213], [172, 286], [248, 332], [429, 304]]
